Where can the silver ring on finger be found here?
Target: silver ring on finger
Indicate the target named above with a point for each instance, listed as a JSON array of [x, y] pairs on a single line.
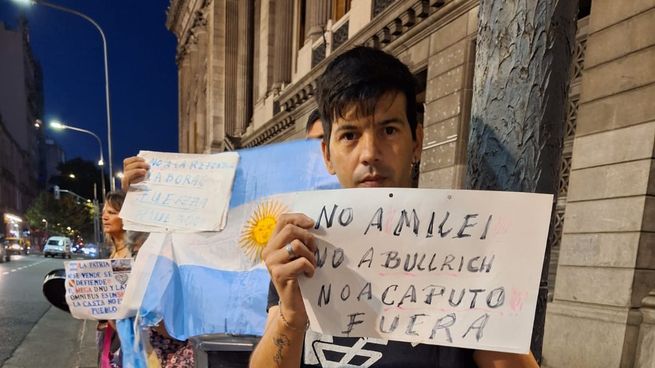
[[292, 254]]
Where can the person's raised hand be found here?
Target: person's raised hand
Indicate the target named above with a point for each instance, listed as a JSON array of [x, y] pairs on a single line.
[[288, 254], [135, 170]]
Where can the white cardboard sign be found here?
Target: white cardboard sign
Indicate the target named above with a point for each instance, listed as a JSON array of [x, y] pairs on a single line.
[[445, 267], [182, 193], [95, 288]]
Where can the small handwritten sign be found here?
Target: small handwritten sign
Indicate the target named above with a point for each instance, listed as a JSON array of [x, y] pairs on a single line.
[[182, 193], [443, 267], [95, 288]]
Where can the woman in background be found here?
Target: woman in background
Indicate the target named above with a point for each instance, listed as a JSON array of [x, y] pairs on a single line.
[[106, 336], [112, 225]]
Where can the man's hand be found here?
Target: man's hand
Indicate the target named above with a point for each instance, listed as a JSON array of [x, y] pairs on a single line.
[[135, 170], [290, 252]]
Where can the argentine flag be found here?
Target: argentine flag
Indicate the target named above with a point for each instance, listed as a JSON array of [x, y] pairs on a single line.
[[206, 283]]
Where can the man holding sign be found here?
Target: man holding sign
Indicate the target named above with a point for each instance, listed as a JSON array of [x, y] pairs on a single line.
[[372, 139]]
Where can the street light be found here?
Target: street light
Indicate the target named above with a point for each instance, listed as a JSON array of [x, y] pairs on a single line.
[[119, 176], [57, 125], [72, 176], [104, 49]]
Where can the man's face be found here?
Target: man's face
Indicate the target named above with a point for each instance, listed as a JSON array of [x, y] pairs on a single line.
[[315, 131], [376, 150]]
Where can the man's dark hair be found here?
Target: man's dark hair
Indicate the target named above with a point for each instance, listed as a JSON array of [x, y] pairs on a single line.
[[315, 115], [362, 76]]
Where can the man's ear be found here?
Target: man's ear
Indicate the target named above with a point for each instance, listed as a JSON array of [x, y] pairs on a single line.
[[418, 143], [326, 157]]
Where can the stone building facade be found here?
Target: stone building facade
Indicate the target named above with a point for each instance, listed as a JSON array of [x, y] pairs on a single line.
[[21, 104], [601, 315], [247, 73]]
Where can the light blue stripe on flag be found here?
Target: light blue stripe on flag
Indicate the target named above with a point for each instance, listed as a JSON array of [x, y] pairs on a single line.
[[280, 168]]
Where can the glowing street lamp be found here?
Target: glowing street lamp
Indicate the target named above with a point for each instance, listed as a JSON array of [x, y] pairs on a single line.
[[119, 176], [58, 125]]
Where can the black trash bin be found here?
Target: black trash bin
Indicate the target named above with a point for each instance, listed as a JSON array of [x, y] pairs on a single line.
[[223, 351], [54, 288]]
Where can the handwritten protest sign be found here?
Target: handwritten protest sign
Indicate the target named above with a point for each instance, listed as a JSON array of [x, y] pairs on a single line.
[[95, 288], [182, 193], [445, 267]]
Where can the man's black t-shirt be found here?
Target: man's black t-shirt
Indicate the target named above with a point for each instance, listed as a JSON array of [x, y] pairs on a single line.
[[332, 352]]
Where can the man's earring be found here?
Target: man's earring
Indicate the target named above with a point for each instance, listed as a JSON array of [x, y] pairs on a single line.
[[416, 165]]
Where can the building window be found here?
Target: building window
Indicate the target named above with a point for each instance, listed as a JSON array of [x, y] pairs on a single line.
[[380, 5], [339, 9], [318, 54], [340, 36]]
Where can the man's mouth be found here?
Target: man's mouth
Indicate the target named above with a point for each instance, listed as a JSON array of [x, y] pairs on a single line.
[[371, 181]]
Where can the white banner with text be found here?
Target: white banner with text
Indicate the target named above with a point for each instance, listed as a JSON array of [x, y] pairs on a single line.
[[445, 267]]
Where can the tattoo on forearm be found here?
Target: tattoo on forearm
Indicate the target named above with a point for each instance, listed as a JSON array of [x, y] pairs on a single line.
[[280, 342]]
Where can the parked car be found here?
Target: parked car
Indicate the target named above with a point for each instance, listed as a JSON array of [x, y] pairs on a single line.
[[15, 246], [58, 246], [4, 255]]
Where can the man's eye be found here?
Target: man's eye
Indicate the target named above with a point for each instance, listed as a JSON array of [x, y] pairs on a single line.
[[390, 130], [348, 136]]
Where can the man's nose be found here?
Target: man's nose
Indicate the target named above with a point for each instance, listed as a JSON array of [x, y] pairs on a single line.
[[369, 148]]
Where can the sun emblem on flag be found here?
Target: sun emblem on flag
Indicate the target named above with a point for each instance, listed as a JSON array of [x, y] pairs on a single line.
[[258, 229]]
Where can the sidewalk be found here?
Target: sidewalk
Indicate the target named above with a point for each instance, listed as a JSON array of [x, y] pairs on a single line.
[[57, 340]]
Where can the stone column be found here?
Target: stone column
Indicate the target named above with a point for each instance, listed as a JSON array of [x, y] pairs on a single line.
[[283, 40], [192, 114], [646, 345], [317, 13], [200, 90], [216, 74], [244, 65], [607, 263], [265, 47], [231, 50], [183, 122]]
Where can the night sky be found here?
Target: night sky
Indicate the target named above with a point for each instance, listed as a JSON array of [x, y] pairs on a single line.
[[142, 74]]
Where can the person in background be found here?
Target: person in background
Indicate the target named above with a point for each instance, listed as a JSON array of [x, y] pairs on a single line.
[[106, 337], [112, 225], [313, 127]]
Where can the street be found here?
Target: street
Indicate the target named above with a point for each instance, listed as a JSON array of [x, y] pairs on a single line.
[[23, 308]]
